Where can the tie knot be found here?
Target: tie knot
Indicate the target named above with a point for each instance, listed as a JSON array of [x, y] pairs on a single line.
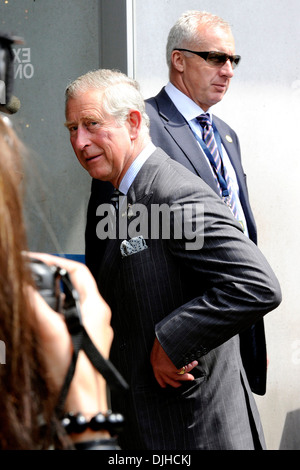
[[114, 199], [115, 196], [204, 120], [116, 193]]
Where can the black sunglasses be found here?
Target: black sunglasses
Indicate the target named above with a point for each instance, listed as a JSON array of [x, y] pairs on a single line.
[[216, 58]]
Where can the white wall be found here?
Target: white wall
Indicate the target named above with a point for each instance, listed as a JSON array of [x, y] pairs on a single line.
[[263, 106]]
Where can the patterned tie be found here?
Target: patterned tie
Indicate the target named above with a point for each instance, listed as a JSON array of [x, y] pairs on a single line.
[[114, 200], [113, 214], [219, 168]]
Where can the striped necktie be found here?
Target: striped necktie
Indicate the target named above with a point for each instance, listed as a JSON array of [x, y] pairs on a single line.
[[218, 166], [114, 200]]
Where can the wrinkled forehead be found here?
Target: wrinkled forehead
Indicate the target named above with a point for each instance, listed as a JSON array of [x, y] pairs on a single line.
[[84, 104]]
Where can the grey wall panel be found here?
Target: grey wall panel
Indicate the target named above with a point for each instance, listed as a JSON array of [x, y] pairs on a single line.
[[61, 42]]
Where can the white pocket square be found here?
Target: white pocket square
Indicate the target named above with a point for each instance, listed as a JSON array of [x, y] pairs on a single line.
[[134, 245]]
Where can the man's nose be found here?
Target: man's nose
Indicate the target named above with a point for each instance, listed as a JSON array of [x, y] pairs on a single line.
[[227, 69], [82, 138]]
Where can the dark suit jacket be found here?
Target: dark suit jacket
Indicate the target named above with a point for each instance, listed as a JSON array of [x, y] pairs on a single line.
[[195, 302], [170, 131]]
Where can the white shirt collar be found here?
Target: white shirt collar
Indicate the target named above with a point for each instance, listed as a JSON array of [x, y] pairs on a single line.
[[185, 105], [135, 167]]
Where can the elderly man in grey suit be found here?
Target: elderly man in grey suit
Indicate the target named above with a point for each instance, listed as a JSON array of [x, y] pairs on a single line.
[[201, 59], [181, 287]]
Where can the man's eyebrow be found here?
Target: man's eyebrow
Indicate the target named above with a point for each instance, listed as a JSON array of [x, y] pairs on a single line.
[[69, 124], [87, 118]]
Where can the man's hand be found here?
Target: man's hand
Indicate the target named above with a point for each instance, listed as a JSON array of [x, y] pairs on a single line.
[[164, 370]]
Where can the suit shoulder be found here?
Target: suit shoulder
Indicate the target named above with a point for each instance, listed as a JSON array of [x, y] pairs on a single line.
[[150, 101], [179, 176], [222, 125], [151, 107]]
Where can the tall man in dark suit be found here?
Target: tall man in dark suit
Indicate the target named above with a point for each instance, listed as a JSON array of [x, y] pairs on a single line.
[[181, 287], [196, 84]]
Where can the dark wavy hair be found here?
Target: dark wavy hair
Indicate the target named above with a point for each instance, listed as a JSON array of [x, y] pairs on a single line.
[[27, 418]]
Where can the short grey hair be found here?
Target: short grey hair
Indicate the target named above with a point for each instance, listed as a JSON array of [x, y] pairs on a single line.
[[185, 31], [120, 93]]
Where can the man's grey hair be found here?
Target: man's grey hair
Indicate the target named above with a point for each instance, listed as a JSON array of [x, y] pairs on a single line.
[[185, 32], [120, 93]]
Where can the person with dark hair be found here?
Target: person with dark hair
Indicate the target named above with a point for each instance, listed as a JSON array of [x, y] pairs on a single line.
[[38, 345]]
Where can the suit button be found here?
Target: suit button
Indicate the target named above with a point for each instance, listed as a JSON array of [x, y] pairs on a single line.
[[123, 346]]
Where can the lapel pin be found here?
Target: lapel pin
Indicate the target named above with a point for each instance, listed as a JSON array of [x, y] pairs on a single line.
[[129, 211], [228, 138]]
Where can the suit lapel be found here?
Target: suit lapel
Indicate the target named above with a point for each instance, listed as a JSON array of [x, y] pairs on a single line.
[[181, 133], [234, 157], [230, 147], [140, 192]]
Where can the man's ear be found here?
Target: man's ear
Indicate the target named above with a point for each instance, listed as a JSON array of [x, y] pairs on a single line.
[[134, 121], [177, 60]]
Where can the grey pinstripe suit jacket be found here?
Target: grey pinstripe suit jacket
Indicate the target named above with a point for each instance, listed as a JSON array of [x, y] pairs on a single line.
[[196, 302], [171, 132]]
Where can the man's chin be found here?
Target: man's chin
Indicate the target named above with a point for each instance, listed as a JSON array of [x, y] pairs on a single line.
[[98, 175], [218, 95]]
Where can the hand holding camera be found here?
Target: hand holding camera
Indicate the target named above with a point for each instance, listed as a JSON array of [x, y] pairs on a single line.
[[87, 392]]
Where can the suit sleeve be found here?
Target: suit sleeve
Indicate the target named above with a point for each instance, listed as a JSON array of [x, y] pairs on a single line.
[[235, 282]]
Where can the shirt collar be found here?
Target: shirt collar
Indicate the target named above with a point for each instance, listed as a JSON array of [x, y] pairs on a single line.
[[135, 167], [185, 105]]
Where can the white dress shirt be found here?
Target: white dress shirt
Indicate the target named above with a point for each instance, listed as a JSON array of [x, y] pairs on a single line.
[[135, 167], [190, 110]]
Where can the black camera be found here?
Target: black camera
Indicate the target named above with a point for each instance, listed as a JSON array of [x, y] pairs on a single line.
[[9, 103], [48, 282], [55, 286]]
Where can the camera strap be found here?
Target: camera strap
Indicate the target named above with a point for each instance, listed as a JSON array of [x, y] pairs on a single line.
[[82, 341]]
